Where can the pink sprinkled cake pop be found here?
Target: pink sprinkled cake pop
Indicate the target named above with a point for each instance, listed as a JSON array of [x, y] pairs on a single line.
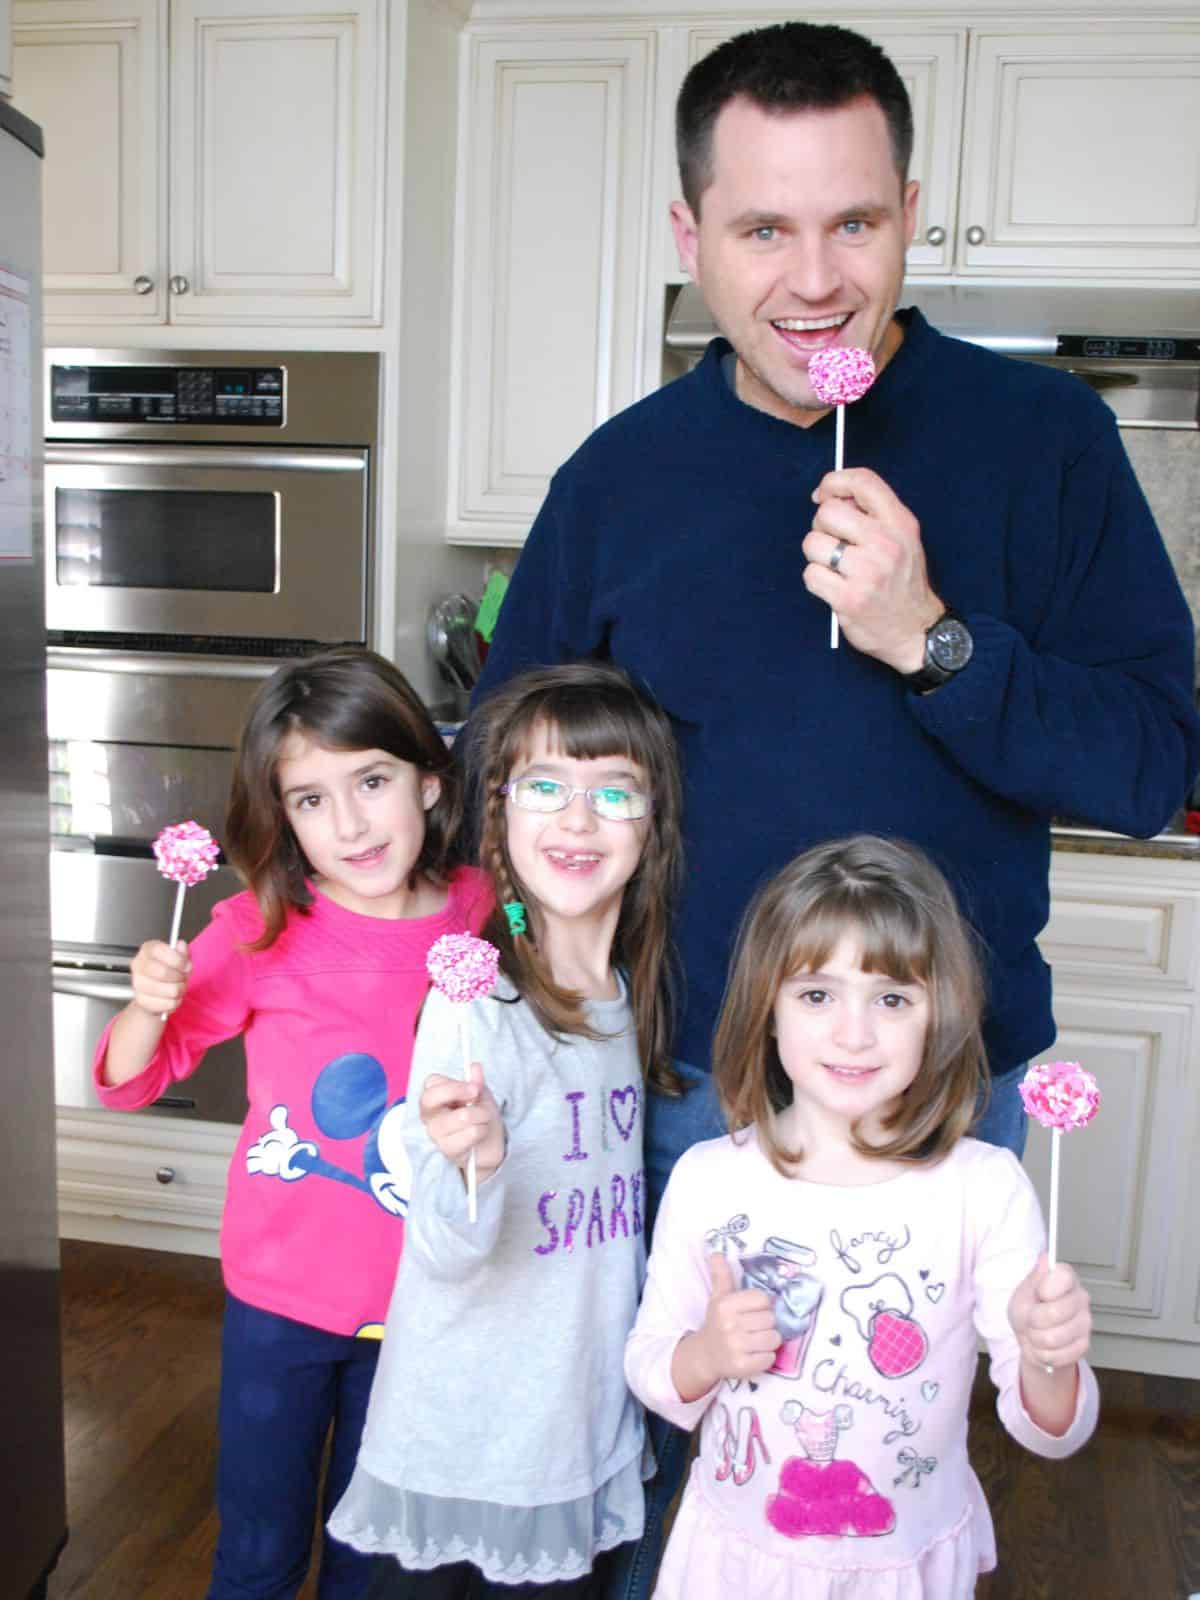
[[185, 853], [1061, 1095], [464, 968], [840, 376]]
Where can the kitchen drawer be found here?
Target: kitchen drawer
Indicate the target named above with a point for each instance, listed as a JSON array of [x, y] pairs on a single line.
[[1124, 921], [116, 1166]]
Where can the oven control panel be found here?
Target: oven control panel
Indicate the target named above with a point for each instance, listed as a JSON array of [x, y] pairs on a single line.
[[244, 396]]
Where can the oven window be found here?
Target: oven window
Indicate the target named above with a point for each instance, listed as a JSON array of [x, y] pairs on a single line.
[[167, 539]]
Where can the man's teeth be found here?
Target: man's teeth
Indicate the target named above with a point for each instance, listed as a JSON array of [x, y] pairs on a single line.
[[809, 324]]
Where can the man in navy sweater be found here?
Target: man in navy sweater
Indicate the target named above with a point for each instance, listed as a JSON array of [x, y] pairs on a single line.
[[1014, 643]]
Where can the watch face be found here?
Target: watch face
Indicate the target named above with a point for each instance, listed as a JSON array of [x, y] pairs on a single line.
[[950, 644]]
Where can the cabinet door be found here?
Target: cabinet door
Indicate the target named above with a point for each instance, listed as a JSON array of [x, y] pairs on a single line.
[[1082, 153], [92, 74], [550, 277], [1123, 1176], [276, 129], [933, 67]]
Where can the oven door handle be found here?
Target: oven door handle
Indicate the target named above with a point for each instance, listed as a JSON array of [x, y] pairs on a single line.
[[91, 988], [124, 455]]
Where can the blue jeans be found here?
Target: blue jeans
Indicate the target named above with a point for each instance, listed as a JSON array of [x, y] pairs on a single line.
[[673, 1126], [283, 1384]]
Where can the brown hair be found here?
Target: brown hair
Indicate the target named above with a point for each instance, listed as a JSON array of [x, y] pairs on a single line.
[[592, 710], [344, 699], [892, 898], [792, 66]]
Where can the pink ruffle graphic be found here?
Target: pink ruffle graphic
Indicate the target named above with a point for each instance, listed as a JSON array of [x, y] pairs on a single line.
[[834, 1499], [1060, 1094], [463, 967], [186, 853]]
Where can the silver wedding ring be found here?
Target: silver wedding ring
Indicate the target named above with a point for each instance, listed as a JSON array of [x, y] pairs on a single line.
[[835, 559]]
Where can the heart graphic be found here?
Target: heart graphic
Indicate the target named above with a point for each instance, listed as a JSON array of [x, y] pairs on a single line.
[[837, 1339], [929, 1390], [753, 1386], [624, 1104], [924, 1272], [934, 1291]]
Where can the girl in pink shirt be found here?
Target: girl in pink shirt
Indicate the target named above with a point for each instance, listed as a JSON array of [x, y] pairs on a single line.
[[819, 1279], [343, 810]]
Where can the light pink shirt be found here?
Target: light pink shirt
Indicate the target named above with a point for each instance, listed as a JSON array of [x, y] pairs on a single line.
[[843, 1472]]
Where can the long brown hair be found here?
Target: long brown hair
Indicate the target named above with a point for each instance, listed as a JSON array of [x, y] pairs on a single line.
[[892, 898], [344, 699], [591, 710]]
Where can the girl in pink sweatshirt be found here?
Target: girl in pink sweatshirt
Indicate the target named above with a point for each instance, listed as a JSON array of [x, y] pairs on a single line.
[[819, 1279], [343, 811]]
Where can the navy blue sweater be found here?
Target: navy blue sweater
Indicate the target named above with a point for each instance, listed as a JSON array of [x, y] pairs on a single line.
[[670, 542]]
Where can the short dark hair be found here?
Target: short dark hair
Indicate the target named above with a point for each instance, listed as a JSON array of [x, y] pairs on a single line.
[[346, 698], [792, 66]]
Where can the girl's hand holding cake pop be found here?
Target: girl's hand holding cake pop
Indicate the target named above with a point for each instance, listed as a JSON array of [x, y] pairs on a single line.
[[159, 976], [463, 1117], [1051, 1315]]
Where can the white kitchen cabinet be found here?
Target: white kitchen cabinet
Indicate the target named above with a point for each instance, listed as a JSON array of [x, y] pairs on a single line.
[[5, 46], [92, 73], [208, 161], [551, 261], [932, 64], [1081, 152], [1124, 943]]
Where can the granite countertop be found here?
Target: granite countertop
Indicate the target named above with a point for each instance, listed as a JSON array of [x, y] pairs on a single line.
[[1175, 844]]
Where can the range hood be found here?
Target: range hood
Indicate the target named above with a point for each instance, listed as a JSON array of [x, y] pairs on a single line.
[[1103, 324]]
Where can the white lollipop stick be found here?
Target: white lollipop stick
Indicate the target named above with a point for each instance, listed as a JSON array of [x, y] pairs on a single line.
[[838, 376], [1055, 1141], [472, 1171]]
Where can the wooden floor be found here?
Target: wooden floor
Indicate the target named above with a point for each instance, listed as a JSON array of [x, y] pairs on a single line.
[[1119, 1521]]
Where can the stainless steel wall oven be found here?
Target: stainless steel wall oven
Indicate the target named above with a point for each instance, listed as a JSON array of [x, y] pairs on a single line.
[[208, 514]]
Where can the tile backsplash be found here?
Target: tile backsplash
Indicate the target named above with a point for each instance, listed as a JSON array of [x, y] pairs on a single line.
[[1167, 462]]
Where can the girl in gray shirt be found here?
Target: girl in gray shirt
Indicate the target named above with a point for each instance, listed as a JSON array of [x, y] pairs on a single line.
[[503, 1454]]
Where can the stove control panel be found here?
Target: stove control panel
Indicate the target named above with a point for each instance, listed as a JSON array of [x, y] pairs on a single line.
[[252, 397]]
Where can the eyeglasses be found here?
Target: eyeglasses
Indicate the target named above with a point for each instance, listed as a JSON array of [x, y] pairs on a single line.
[[610, 802]]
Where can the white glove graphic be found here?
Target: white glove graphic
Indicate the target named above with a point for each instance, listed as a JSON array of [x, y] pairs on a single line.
[[272, 1154]]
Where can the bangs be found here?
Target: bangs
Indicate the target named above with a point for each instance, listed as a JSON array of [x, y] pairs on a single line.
[[582, 728], [892, 941]]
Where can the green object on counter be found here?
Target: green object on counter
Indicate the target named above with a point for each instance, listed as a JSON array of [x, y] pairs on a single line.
[[489, 606]]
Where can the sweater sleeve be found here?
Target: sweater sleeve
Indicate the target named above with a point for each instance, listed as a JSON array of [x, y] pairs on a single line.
[[438, 1230], [674, 1302], [216, 1006], [1091, 714], [1010, 1239]]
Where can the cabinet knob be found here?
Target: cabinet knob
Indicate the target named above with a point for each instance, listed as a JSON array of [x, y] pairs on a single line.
[[975, 234], [179, 285], [935, 235], [165, 1174], [142, 284]]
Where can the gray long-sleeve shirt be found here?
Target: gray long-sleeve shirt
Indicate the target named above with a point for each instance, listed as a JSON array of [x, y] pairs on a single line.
[[501, 1375]]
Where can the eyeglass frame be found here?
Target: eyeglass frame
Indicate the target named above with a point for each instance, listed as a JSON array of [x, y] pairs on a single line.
[[506, 789]]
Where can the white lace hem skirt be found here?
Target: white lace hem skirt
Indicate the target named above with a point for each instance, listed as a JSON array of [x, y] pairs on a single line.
[[509, 1544]]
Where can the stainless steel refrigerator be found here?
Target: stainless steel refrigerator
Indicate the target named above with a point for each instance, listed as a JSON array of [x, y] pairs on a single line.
[[33, 1517]]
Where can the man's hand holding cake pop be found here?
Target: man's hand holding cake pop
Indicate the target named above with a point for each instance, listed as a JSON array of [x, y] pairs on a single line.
[[878, 584]]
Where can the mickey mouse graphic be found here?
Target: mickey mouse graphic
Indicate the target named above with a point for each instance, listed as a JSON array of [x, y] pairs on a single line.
[[349, 1098]]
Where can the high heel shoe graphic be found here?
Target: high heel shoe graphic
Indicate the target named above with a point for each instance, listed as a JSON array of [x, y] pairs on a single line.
[[736, 1449]]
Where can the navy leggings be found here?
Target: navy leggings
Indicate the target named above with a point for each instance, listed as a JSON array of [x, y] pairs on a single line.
[[463, 1581], [283, 1386]]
